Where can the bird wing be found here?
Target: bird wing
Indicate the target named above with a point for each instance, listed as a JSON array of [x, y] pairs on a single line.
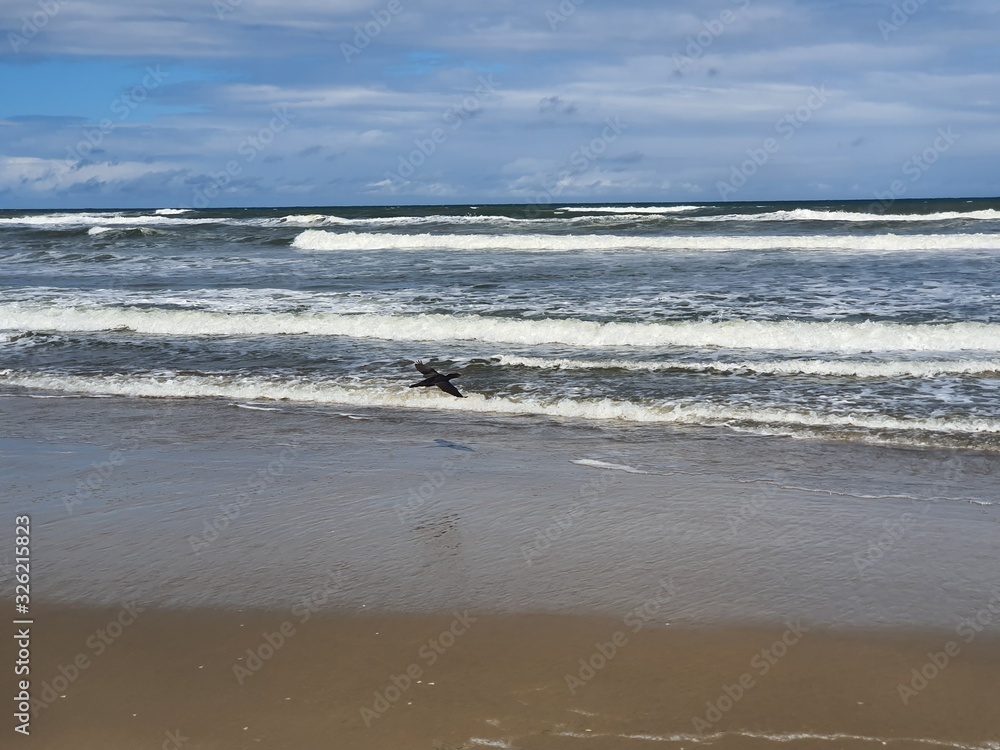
[[447, 387], [432, 380], [426, 370]]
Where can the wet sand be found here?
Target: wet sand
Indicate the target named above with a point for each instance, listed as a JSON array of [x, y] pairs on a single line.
[[364, 533], [505, 681]]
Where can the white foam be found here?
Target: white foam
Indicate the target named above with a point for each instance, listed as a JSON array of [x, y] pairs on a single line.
[[594, 463], [171, 211], [406, 221], [810, 214], [74, 220], [783, 737], [734, 334], [630, 209], [836, 368], [389, 394], [319, 240], [97, 231], [306, 219]]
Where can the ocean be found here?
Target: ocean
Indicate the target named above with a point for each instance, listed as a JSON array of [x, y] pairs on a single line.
[[840, 321]]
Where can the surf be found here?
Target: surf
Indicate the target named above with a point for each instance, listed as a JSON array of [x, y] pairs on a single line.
[[318, 240], [381, 393], [733, 334]]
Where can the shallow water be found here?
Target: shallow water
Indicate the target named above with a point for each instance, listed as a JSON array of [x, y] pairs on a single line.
[[200, 503]]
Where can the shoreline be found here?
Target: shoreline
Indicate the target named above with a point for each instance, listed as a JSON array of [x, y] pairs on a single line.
[[206, 505]]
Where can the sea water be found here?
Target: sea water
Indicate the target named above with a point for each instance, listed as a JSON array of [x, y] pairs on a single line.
[[845, 321]]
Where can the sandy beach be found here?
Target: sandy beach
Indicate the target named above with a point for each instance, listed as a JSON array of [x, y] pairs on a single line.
[[526, 681], [283, 575]]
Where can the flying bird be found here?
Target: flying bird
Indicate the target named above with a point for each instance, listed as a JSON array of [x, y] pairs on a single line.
[[435, 378]]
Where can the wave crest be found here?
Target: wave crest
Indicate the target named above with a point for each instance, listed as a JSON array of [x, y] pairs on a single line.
[[827, 368], [386, 394], [733, 334], [319, 240]]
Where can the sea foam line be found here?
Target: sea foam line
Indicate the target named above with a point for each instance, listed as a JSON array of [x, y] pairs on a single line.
[[387, 221], [72, 220], [595, 464], [810, 214], [788, 737], [317, 240], [850, 368], [388, 394], [629, 209], [734, 334]]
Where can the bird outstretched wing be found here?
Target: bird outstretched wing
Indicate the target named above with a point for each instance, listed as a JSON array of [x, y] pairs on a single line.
[[425, 369], [447, 387]]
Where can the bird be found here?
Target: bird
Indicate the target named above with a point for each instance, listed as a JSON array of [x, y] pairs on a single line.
[[435, 378]]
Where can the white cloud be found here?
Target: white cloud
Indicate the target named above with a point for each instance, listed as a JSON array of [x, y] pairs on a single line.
[[56, 175]]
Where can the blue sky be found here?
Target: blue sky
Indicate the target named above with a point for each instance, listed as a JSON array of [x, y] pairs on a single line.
[[215, 103]]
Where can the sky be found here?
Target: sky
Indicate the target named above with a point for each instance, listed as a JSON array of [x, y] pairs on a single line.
[[218, 103]]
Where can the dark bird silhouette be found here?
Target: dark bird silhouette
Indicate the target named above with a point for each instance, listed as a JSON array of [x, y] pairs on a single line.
[[435, 378]]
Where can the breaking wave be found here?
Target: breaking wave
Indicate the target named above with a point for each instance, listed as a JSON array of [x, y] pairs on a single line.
[[825, 368], [733, 334], [76, 220], [319, 240], [386, 394], [810, 214], [630, 209]]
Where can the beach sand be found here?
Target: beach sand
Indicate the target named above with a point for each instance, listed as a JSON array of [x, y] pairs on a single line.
[[658, 587], [505, 679]]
